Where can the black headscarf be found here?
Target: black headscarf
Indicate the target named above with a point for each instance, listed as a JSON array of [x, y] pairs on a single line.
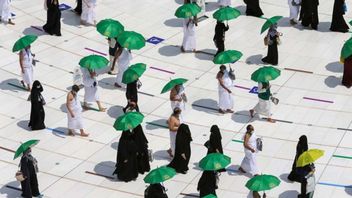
[[37, 116], [37, 88], [215, 140], [301, 147], [183, 133]]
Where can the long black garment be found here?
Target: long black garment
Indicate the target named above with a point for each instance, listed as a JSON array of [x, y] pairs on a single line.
[[302, 146], [253, 8], [272, 56], [183, 146], [215, 144], [142, 149], [338, 23], [309, 13], [219, 37], [30, 184], [53, 24], [126, 160], [207, 183], [36, 121], [155, 191], [78, 8], [132, 95]]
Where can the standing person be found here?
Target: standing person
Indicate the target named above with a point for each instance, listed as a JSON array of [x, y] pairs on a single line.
[[173, 124], [309, 13], [26, 63], [126, 160], [132, 96], [347, 72], [90, 89], [182, 149], [207, 183], [338, 23], [88, 12], [142, 149], [253, 8], [29, 169], [123, 57], [5, 12], [78, 8], [74, 112], [189, 34], [219, 37], [178, 97], [224, 3], [294, 6], [263, 107], [214, 144], [224, 85], [302, 146], [273, 37], [53, 24], [113, 46], [37, 117], [249, 162], [155, 191]]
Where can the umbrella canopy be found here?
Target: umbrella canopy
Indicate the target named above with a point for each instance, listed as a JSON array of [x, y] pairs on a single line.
[[210, 196], [309, 157], [24, 147], [24, 42], [131, 40], [270, 22], [133, 72], [346, 50], [187, 10], [228, 56], [159, 175], [171, 84], [110, 28], [226, 14], [93, 62], [262, 182], [214, 161], [265, 74], [128, 121]]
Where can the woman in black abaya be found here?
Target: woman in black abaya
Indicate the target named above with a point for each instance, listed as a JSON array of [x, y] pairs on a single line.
[[182, 149], [215, 145], [309, 13], [338, 23], [126, 160], [219, 37], [132, 96], [302, 146], [29, 170], [155, 191], [78, 8], [142, 149], [207, 183], [272, 56], [36, 121], [53, 24], [253, 8]]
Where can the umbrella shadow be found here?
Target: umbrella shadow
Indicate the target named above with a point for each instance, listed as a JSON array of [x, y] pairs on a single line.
[[335, 67], [348, 190], [241, 117], [161, 155], [284, 176], [289, 193], [106, 168], [63, 108], [174, 22], [33, 31], [206, 105], [61, 132], [332, 81], [156, 124], [5, 85], [254, 59], [11, 189], [205, 54], [24, 125], [169, 50], [115, 111], [71, 19]]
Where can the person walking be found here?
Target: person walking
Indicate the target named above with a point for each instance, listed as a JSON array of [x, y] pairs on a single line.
[[224, 88], [273, 38], [294, 6], [53, 21], [249, 162], [88, 16], [178, 98], [309, 13], [113, 47], [219, 37], [207, 183], [155, 191], [26, 64], [142, 149], [263, 107], [123, 57], [37, 116], [78, 8], [5, 12], [173, 124], [90, 89], [253, 8], [132, 96], [338, 23], [189, 34], [301, 147]]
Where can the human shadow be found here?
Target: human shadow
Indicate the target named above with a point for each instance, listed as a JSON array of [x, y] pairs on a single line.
[[115, 111], [284, 176], [32, 31], [233, 170], [161, 155], [107, 83], [115, 145], [332, 81], [174, 22], [254, 59], [348, 190], [70, 18], [60, 132], [336, 67], [11, 189], [6, 85], [204, 56], [106, 169], [289, 193], [24, 125], [211, 6], [324, 26], [157, 124], [206, 105], [241, 117], [169, 50]]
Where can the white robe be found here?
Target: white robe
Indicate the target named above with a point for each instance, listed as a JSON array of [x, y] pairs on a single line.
[[123, 62], [27, 76], [5, 12], [294, 10], [224, 2], [189, 36], [90, 91], [173, 141], [249, 162], [263, 107], [76, 122], [225, 98], [178, 104], [88, 13]]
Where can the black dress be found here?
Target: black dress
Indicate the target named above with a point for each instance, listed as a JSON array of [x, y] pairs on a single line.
[[309, 13], [253, 8], [131, 95], [338, 23], [207, 183], [78, 8], [272, 56], [347, 72], [30, 184], [215, 140], [142, 149], [183, 146], [302, 146], [53, 24], [126, 160], [37, 117], [155, 191], [219, 37]]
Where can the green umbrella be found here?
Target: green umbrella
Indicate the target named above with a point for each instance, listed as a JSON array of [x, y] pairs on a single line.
[[262, 182], [210, 196], [228, 56], [131, 40], [214, 161], [24, 147], [133, 73], [24, 42], [187, 10], [346, 50], [110, 28], [171, 84], [128, 121], [350, 22], [265, 74], [93, 62], [270, 22], [159, 175], [226, 13]]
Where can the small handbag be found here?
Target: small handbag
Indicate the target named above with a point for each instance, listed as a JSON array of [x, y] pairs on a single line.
[[19, 175], [274, 100], [266, 41]]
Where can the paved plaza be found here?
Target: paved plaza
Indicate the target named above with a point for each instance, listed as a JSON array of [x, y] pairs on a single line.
[[312, 100]]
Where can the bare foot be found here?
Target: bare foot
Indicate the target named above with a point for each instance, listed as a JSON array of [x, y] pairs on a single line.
[[221, 111], [84, 134], [241, 170], [252, 113], [229, 111], [24, 85], [102, 109], [11, 23], [271, 120], [85, 107], [117, 85]]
